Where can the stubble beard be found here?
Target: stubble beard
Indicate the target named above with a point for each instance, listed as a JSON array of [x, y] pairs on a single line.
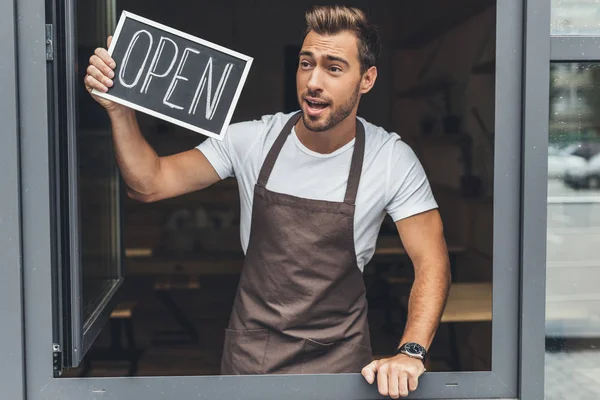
[[337, 116]]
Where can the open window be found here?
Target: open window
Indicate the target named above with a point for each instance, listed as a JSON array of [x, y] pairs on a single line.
[[86, 192], [448, 85]]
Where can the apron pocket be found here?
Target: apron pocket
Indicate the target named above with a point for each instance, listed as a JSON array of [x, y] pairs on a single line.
[[244, 351], [334, 357], [319, 345]]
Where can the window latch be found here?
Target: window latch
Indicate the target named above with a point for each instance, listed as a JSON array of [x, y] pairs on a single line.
[[49, 42]]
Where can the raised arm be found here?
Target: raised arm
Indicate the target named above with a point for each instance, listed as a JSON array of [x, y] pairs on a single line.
[[148, 176]]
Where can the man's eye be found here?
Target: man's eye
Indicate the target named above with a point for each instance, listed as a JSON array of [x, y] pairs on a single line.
[[304, 64], [335, 69]]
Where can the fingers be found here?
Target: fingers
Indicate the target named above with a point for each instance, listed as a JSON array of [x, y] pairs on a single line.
[[99, 76], [369, 372], [106, 58], [397, 382], [95, 80], [100, 71], [108, 41], [413, 382], [393, 386], [383, 380], [396, 378], [403, 384]]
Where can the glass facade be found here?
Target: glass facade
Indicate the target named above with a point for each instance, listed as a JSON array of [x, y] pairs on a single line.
[[575, 17], [573, 226]]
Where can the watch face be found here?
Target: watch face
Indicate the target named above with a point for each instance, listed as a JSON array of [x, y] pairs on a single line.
[[414, 349]]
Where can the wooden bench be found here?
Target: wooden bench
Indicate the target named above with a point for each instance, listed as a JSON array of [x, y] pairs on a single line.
[[143, 262], [392, 246], [123, 310], [163, 287], [179, 274], [390, 252], [467, 302]]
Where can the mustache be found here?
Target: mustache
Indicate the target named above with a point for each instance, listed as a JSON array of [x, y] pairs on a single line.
[[315, 95]]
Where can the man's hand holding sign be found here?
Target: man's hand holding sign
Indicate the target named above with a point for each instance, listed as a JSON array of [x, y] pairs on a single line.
[[100, 75], [301, 304]]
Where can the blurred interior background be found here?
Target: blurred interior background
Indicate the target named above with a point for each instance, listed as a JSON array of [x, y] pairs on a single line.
[[183, 256]]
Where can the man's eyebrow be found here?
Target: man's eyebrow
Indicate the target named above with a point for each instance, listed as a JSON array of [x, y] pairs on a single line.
[[339, 59], [306, 53], [328, 57]]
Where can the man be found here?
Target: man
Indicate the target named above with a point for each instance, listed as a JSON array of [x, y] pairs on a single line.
[[315, 186]]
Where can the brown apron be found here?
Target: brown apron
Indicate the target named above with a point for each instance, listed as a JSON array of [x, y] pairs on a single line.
[[300, 305]]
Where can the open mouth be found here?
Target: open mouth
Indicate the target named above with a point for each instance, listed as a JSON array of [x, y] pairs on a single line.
[[315, 107]]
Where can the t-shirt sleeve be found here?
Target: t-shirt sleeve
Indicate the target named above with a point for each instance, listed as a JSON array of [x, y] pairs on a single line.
[[409, 192], [225, 155]]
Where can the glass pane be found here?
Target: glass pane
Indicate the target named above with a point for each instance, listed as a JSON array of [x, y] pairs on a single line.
[[573, 254], [98, 180], [99, 219], [575, 17]]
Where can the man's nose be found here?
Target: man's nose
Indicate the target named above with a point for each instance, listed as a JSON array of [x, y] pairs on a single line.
[[314, 81]]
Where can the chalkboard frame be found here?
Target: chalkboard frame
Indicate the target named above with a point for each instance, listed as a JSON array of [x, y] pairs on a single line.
[[248, 63]]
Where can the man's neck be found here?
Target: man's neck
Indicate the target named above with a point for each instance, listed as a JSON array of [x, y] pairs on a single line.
[[328, 141]]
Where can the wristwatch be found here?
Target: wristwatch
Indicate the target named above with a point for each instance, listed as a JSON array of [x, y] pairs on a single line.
[[413, 350]]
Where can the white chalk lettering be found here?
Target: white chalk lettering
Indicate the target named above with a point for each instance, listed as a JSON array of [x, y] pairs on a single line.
[[212, 101], [132, 43], [154, 64], [178, 77]]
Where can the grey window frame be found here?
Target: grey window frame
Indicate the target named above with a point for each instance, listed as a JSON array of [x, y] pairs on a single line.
[[574, 48], [12, 367], [523, 47]]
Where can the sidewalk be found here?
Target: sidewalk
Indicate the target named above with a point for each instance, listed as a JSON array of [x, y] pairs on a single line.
[[573, 375]]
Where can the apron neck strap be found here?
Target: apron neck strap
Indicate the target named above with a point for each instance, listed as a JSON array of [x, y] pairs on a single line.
[[355, 166], [269, 163]]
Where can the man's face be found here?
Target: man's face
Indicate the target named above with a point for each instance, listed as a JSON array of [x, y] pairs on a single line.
[[328, 79]]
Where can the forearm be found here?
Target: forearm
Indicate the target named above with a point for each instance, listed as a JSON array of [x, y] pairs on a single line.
[[138, 162], [426, 304]]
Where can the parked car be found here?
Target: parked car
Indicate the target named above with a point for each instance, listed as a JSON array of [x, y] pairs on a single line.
[[584, 176], [560, 160]]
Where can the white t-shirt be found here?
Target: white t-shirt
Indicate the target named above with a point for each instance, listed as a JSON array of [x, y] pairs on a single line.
[[392, 181]]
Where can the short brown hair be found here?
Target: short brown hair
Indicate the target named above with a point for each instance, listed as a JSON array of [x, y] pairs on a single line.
[[329, 20]]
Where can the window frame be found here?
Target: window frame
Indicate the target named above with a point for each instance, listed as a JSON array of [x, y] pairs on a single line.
[[76, 331], [536, 109], [575, 48], [12, 367], [518, 292]]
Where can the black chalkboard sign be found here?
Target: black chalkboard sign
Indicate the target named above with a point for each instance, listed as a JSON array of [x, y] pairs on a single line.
[[175, 76]]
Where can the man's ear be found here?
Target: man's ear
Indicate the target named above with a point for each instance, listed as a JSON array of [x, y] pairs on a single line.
[[368, 80]]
